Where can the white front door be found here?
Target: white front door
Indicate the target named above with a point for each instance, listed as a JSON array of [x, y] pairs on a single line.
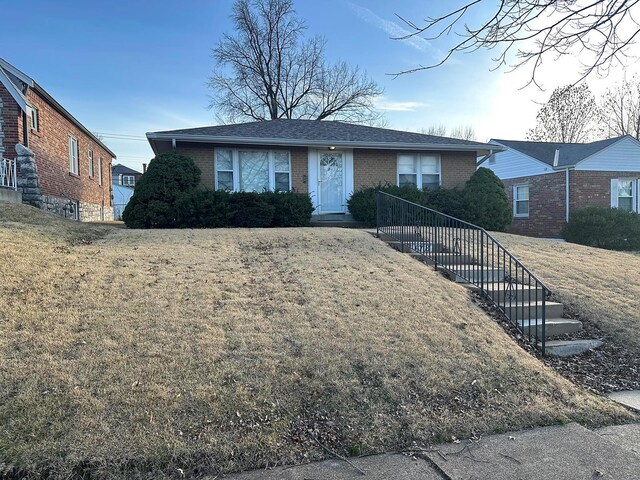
[[331, 182]]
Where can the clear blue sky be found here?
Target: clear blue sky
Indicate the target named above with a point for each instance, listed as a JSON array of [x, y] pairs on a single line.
[[133, 66]]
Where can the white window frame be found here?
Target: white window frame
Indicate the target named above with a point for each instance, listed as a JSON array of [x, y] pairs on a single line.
[[35, 118], [615, 199], [128, 180], [235, 156], [417, 162], [515, 200], [100, 171], [91, 165], [74, 160]]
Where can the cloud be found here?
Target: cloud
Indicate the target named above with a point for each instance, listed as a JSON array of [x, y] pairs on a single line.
[[393, 29], [381, 103]]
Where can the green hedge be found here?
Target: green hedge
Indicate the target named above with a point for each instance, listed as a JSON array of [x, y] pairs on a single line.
[[166, 196], [483, 201], [609, 228]]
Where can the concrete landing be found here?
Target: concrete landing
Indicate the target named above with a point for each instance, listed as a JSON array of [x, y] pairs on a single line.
[[629, 398], [567, 348], [560, 452]]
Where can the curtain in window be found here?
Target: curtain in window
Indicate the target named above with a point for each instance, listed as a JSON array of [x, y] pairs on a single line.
[[407, 171], [625, 195]]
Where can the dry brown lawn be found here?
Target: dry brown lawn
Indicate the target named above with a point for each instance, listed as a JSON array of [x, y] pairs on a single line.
[[600, 285], [127, 352]]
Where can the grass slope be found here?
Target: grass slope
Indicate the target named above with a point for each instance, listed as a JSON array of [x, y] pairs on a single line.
[[128, 352], [601, 285]]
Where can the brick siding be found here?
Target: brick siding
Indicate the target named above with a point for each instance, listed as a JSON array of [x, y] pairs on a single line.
[[593, 189], [546, 205], [371, 167], [51, 147]]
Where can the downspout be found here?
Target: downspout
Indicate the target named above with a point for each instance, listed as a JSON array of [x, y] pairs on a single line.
[[566, 193], [25, 130]]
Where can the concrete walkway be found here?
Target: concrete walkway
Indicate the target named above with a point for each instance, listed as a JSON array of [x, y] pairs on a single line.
[[559, 452]]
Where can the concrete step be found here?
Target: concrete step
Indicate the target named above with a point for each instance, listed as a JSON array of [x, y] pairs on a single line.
[[501, 291], [473, 273], [526, 310], [448, 258], [568, 348], [553, 327], [407, 247]]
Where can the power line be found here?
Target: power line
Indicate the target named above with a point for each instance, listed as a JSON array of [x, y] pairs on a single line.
[[121, 136]]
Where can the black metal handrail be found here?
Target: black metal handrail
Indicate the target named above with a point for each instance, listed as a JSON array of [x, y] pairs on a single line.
[[470, 253]]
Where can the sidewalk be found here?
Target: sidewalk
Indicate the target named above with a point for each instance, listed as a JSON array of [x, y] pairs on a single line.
[[560, 452]]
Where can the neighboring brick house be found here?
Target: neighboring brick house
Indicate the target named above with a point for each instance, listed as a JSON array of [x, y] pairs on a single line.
[[327, 159], [125, 176], [64, 167], [546, 181]]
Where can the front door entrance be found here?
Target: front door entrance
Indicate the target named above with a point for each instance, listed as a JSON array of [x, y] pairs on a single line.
[[331, 179]]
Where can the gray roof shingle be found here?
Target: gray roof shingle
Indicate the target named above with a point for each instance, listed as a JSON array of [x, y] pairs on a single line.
[[318, 131], [119, 169], [568, 153]]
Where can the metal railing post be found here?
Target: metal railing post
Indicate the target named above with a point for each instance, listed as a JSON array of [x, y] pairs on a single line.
[[378, 212], [544, 318], [482, 261], [15, 175], [402, 222]]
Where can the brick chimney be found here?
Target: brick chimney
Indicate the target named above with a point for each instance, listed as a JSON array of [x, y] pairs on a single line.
[[144, 168]]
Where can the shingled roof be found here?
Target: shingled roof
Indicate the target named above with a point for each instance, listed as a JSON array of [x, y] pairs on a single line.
[[119, 169], [568, 153], [316, 132]]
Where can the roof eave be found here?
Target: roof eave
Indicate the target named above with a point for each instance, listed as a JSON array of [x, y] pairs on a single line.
[[319, 143], [65, 113]]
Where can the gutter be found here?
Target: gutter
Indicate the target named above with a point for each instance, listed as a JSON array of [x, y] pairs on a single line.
[[566, 195], [320, 143]]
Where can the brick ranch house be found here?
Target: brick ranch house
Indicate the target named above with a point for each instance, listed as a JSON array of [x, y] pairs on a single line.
[[61, 166], [547, 181], [327, 159]]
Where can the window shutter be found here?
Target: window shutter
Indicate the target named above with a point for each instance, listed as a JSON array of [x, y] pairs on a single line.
[[614, 193]]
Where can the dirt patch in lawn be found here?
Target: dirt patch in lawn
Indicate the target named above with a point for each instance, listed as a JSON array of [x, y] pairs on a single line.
[[126, 353]]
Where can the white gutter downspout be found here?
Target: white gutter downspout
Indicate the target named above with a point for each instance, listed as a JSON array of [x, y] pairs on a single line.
[[566, 191]]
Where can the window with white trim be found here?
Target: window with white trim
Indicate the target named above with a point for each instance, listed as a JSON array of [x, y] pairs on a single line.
[[99, 171], [626, 195], [419, 171], [128, 180], [73, 155], [90, 155], [252, 170], [35, 119], [521, 200]]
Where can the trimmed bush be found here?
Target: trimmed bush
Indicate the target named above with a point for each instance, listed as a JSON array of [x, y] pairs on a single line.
[[291, 209], [153, 204], [609, 228], [203, 209], [486, 201], [250, 210], [362, 204]]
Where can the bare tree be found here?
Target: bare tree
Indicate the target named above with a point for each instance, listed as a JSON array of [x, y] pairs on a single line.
[[463, 132], [621, 108], [439, 130], [571, 115], [268, 70], [601, 31]]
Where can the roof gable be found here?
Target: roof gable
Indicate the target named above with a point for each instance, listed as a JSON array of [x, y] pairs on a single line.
[[9, 75], [569, 154]]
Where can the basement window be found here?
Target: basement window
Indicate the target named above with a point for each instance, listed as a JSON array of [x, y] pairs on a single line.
[[521, 200]]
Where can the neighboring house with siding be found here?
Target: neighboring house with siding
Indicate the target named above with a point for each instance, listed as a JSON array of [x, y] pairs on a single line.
[[546, 181], [327, 159], [125, 176], [64, 167]]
